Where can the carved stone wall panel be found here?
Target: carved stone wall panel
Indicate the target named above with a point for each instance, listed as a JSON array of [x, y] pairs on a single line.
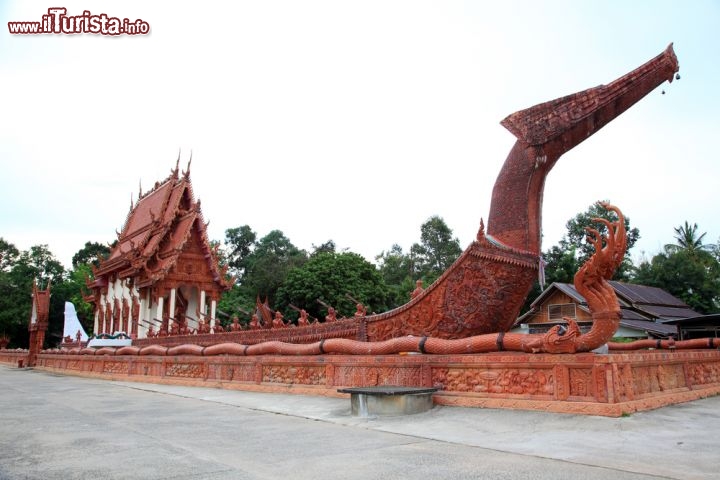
[[704, 373], [657, 378], [581, 382], [292, 374], [244, 372], [438, 377], [600, 381], [185, 370], [516, 381], [116, 368], [369, 376]]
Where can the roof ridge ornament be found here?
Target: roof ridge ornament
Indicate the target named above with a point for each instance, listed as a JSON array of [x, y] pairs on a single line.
[[174, 173], [187, 169]]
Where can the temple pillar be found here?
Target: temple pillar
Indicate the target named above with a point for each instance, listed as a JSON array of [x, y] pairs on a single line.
[[202, 305], [148, 312], [122, 321], [213, 306], [141, 316], [171, 311], [161, 301], [96, 324]]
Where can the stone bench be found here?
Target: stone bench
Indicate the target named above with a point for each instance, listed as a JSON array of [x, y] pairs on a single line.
[[387, 400]]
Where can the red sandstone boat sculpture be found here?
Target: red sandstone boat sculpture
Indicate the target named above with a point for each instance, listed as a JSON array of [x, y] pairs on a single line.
[[471, 306]]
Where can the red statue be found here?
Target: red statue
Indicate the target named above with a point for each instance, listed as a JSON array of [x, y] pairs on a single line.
[[360, 310], [303, 319], [418, 289], [254, 323], [218, 328], [203, 326], [331, 316], [278, 321], [235, 326]]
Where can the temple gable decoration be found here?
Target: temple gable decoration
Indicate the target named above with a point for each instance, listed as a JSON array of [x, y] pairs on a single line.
[[162, 265]]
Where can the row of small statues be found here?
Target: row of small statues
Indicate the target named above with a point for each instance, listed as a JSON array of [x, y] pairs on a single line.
[[180, 327], [78, 338]]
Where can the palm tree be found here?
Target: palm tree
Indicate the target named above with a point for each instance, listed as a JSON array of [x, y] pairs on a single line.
[[687, 239]]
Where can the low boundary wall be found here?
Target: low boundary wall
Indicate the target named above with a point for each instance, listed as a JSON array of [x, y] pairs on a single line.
[[609, 385]]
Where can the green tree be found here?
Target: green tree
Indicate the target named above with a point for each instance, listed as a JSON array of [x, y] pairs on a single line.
[[692, 276], [687, 269], [239, 244], [715, 250], [687, 239], [436, 251], [268, 264], [398, 273], [16, 279], [14, 303], [327, 247], [91, 253], [330, 276], [8, 255]]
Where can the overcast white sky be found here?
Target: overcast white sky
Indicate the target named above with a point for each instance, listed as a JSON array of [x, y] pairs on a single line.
[[350, 121]]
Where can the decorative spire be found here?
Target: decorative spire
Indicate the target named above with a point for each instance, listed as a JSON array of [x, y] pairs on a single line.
[[481, 231], [139, 188], [177, 164], [187, 170], [131, 201]]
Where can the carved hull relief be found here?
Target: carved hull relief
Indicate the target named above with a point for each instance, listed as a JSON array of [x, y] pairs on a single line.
[[481, 293]]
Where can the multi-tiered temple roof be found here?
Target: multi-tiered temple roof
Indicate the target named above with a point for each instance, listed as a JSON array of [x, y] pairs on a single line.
[[162, 260]]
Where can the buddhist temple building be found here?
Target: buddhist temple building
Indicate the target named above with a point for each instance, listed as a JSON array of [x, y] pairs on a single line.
[[162, 275]]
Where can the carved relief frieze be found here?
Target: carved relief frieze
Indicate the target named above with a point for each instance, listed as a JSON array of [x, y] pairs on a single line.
[[186, 370], [657, 378], [704, 373], [581, 382], [116, 367], [520, 381], [294, 374], [361, 375]]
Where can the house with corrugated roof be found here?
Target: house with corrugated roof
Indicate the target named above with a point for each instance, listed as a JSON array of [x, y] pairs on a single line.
[[644, 311]]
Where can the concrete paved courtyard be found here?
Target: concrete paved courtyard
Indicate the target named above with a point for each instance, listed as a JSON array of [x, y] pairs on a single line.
[[64, 427]]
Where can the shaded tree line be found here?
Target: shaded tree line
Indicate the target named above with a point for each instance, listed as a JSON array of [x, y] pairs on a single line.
[[290, 278], [19, 269]]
